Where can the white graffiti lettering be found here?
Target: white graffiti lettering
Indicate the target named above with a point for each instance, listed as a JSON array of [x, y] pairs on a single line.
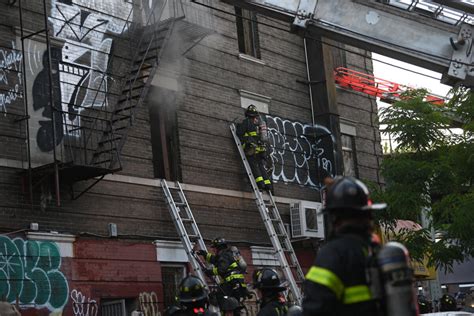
[[149, 303], [9, 60], [82, 305], [301, 153]]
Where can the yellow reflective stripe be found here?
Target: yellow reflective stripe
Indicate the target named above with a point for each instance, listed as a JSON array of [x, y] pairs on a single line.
[[327, 278], [246, 134], [234, 276], [232, 266], [258, 179], [267, 182], [208, 257], [215, 271], [356, 294]]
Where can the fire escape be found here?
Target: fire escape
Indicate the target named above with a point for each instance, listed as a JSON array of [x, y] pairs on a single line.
[[85, 140]]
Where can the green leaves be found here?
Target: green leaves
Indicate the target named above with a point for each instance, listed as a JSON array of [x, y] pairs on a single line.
[[432, 169], [416, 125]]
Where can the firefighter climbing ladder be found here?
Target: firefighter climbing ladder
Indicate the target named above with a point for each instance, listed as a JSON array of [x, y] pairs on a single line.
[[185, 224], [275, 229]]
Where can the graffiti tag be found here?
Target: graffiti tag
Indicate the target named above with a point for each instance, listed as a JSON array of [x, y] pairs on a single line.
[[149, 303], [301, 153], [82, 305], [30, 271], [10, 60]]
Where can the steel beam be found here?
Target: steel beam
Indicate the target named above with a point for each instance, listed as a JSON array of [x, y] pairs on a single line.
[[380, 28]]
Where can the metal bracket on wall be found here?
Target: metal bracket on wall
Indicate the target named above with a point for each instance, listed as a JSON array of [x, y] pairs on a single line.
[[461, 66], [305, 12], [75, 197]]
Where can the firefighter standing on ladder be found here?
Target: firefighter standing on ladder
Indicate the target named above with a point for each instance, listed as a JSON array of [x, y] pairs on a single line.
[[337, 283], [230, 266], [251, 133]]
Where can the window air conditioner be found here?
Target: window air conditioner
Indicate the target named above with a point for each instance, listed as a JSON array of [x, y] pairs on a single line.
[[306, 220]]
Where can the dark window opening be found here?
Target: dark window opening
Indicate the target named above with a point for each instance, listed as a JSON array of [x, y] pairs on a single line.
[[164, 134], [171, 276], [247, 32]]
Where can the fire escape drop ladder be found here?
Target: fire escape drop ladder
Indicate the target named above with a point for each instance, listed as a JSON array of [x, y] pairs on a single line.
[[275, 228]]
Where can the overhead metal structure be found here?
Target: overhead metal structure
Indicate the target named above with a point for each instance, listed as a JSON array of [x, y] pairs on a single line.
[[429, 34]]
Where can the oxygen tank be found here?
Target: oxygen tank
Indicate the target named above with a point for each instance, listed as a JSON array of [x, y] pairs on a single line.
[[264, 137], [397, 280], [239, 259]]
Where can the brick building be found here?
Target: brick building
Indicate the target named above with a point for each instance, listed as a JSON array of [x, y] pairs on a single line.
[[88, 127]]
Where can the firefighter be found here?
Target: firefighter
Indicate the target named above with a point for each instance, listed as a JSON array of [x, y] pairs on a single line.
[[447, 303], [270, 289], [251, 134], [229, 266], [337, 283], [193, 298]]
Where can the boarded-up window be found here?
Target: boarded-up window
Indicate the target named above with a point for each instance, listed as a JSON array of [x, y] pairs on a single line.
[[172, 276], [349, 155]]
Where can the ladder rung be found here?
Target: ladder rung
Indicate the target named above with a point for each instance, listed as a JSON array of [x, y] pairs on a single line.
[[186, 220], [180, 203]]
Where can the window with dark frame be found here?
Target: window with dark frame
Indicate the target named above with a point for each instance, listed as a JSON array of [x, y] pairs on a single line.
[[171, 276], [349, 155], [247, 32]]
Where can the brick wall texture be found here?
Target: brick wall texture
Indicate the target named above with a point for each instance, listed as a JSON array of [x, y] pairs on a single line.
[[209, 76]]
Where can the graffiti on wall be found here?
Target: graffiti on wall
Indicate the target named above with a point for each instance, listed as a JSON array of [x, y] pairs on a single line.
[[82, 305], [149, 303], [301, 153], [30, 271], [85, 54], [10, 76]]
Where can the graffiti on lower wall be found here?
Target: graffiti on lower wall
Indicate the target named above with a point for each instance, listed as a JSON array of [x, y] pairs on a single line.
[[82, 305], [10, 76], [30, 271], [301, 153], [149, 304]]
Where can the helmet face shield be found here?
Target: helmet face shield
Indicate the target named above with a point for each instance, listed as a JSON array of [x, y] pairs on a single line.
[[267, 279], [192, 290]]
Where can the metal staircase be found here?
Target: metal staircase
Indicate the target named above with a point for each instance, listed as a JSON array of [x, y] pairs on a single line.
[[185, 224], [134, 91], [275, 228]]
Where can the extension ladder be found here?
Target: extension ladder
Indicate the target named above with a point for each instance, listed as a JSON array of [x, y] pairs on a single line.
[[185, 224], [275, 229]]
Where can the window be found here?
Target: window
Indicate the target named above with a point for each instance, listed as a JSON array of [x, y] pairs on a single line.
[[247, 32], [348, 155], [172, 276], [164, 133]]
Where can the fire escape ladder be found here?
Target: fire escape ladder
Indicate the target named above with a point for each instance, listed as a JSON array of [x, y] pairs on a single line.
[[134, 91]]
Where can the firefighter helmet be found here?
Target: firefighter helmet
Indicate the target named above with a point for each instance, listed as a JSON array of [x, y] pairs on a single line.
[[219, 243], [251, 111], [347, 193], [447, 303], [192, 290], [267, 279]]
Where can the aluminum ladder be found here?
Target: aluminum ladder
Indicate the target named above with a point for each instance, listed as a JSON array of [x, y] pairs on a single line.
[[185, 224], [275, 229]]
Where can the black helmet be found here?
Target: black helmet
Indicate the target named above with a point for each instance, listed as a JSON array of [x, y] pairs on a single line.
[[347, 193], [267, 278], [219, 243], [192, 289], [447, 303], [424, 306], [251, 111]]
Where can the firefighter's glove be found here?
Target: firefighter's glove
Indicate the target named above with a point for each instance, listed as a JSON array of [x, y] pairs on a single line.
[[202, 253]]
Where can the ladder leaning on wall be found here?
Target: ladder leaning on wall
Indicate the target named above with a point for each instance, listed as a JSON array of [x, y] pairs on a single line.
[[275, 228], [185, 224]]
